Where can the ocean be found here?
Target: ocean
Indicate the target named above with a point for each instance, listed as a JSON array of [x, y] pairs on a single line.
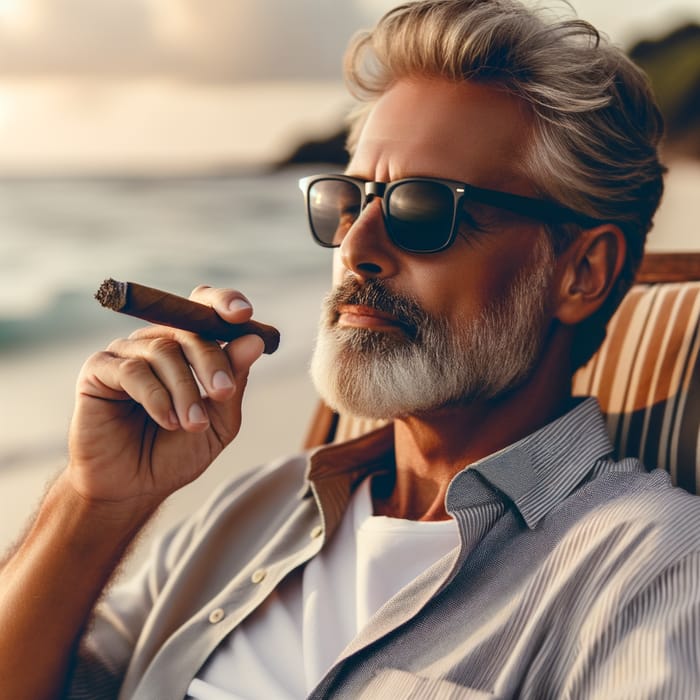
[[61, 237]]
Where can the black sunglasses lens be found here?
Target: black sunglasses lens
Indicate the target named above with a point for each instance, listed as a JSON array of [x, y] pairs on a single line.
[[333, 207], [420, 215]]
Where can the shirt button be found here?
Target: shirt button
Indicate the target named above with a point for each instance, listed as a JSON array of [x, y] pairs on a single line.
[[316, 532], [258, 575], [216, 616]]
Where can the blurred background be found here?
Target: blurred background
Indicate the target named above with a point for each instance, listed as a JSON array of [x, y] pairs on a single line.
[[160, 141]]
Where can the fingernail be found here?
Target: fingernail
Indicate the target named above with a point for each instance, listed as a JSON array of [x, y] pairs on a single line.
[[196, 414], [172, 416], [239, 305], [221, 380]]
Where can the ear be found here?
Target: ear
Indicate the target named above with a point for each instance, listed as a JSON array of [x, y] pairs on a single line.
[[588, 270]]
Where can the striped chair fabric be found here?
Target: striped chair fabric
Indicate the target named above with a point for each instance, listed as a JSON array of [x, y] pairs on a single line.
[[646, 374], [646, 378]]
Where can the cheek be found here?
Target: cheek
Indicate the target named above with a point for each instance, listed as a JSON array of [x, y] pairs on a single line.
[[338, 271], [450, 293], [497, 270], [463, 290]]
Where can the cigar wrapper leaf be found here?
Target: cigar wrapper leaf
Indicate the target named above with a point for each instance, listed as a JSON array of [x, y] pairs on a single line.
[[163, 308]]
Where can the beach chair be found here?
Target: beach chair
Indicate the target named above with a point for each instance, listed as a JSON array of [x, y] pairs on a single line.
[[646, 375]]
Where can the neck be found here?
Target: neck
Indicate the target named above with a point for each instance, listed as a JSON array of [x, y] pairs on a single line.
[[432, 448]]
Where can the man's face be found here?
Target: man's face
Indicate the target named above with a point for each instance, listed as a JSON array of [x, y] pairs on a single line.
[[405, 333]]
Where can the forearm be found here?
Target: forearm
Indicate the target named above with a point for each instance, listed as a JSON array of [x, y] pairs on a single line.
[[141, 430], [50, 585]]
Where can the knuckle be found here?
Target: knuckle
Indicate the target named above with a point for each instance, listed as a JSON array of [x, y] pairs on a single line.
[[101, 356], [114, 345], [133, 367], [140, 333], [94, 361], [184, 384], [164, 347], [156, 395], [212, 352], [199, 289]]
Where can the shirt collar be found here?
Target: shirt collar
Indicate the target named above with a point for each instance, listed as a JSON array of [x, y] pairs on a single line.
[[335, 470], [541, 470], [535, 473]]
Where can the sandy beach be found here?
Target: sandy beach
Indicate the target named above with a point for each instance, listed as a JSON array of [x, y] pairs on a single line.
[[37, 396]]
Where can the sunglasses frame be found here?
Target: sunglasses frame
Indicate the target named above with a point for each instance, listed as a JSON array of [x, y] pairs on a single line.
[[542, 210]]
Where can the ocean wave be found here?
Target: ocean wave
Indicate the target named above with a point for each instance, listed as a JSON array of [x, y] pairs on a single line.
[[62, 238]]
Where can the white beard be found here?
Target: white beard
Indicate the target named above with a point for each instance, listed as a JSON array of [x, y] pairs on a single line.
[[383, 375]]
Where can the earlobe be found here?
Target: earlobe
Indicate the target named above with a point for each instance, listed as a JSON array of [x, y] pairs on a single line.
[[592, 264]]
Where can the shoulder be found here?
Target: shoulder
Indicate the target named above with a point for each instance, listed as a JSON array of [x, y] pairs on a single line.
[[630, 525], [642, 591], [646, 499], [624, 544]]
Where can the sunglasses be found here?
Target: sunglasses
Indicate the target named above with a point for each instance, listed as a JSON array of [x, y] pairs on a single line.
[[421, 214]]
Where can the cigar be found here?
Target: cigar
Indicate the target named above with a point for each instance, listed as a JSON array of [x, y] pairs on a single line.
[[157, 306]]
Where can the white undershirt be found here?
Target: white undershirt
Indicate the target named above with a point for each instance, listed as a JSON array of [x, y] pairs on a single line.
[[286, 646]]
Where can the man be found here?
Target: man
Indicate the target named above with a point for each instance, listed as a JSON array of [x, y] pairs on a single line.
[[503, 178]]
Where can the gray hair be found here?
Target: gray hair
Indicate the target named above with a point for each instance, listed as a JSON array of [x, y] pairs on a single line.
[[596, 124]]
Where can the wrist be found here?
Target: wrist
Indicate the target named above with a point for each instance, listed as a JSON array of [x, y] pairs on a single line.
[[99, 517]]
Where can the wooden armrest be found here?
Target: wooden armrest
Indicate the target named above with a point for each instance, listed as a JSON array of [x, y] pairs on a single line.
[[669, 267]]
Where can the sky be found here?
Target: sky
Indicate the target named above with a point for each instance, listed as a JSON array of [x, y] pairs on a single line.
[[176, 85]]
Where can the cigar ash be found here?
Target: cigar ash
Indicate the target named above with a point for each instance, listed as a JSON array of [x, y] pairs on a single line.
[[112, 294]]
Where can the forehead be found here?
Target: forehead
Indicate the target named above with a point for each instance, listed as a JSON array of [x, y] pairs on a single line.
[[434, 127]]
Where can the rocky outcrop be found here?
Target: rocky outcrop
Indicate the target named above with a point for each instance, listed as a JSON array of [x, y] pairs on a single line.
[[673, 65], [330, 150]]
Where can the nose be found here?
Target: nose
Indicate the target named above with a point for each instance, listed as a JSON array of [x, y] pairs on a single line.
[[366, 250]]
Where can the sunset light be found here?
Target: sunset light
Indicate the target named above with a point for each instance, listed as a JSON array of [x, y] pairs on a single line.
[[93, 85], [9, 8]]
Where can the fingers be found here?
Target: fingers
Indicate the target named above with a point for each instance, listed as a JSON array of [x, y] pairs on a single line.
[[230, 304], [155, 374], [243, 352], [159, 374], [115, 378], [165, 369], [210, 364]]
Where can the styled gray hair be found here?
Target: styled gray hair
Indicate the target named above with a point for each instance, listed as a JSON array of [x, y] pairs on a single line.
[[596, 129]]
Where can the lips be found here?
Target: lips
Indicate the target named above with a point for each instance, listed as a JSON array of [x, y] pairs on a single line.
[[360, 316], [373, 307]]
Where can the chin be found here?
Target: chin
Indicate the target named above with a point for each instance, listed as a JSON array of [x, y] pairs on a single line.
[[373, 375]]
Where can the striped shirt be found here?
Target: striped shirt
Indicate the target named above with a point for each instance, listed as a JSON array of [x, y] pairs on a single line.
[[577, 577]]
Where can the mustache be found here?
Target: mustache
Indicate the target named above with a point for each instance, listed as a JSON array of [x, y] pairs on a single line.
[[375, 295]]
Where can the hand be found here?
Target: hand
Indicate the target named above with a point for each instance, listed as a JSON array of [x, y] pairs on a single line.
[[141, 429]]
